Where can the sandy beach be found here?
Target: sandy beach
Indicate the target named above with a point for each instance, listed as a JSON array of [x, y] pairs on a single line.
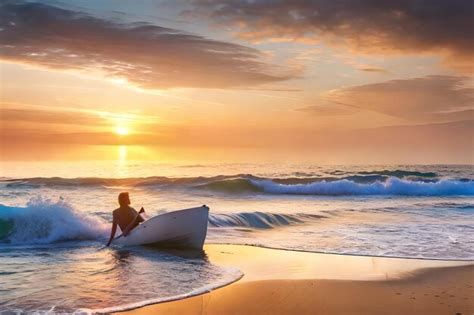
[[291, 282]]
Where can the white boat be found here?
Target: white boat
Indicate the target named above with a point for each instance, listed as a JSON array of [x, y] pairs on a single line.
[[182, 229]]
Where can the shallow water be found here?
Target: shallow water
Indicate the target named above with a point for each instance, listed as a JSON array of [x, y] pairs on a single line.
[[71, 275], [53, 229]]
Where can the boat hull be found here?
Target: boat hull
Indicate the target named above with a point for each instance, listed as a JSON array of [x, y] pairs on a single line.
[[177, 229]]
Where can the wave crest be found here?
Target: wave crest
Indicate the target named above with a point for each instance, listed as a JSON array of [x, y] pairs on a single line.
[[392, 186], [399, 173], [260, 220], [237, 185], [44, 221], [399, 182]]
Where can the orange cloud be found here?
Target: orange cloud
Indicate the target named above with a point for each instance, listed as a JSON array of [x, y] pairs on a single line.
[[371, 69], [426, 99], [50, 117], [327, 110], [146, 55]]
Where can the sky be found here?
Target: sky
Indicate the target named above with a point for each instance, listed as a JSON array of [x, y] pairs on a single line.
[[330, 82]]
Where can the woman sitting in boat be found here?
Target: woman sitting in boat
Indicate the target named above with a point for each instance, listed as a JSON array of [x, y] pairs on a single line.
[[125, 216]]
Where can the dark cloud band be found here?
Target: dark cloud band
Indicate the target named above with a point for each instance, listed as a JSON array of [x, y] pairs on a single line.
[[367, 26]]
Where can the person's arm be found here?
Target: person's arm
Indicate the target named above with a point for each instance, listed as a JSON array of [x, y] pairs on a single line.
[[131, 225], [114, 229]]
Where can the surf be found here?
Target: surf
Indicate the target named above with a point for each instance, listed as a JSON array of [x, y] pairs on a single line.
[[260, 220], [392, 186], [248, 184], [44, 221]]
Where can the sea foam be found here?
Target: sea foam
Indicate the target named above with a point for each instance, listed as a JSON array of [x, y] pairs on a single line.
[[44, 221], [392, 186]]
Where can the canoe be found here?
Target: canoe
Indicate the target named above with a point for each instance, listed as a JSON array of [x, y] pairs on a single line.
[[177, 229]]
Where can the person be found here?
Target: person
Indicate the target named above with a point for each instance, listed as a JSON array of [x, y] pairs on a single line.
[[125, 216]]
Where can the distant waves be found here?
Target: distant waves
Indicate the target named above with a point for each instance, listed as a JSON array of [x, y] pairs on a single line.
[[399, 182]]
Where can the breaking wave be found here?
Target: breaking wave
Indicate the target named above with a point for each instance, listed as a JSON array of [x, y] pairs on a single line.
[[259, 220], [400, 173], [44, 221], [392, 186], [342, 187], [398, 182]]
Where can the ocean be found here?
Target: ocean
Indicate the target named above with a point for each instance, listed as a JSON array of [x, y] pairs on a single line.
[[55, 220]]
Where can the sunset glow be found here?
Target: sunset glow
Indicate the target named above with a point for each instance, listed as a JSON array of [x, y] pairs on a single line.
[[353, 88], [122, 131], [236, 156]]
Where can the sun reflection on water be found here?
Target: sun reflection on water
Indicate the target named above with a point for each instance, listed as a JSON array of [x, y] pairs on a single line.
[[122, 153], [122, 163]]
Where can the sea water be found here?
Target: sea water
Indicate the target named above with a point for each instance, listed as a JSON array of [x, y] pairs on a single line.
[[55, 219]]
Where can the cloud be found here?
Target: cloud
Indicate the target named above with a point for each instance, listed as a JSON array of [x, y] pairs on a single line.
[[426, 99], [365, 26], [327, 110], [49, 117], [147, 55], [376, 70]]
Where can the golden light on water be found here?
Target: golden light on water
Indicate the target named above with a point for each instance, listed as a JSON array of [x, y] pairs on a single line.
[[122, 153]]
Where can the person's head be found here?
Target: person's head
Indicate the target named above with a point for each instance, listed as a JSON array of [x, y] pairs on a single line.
[[123, 199]]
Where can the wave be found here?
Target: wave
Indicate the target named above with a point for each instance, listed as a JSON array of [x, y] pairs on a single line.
[[238, 182], [423, 184], [38, 182], [233, 275], [237, 185], [259, 220], [399, 173], [44, 221], [349, 186], [392, 186]]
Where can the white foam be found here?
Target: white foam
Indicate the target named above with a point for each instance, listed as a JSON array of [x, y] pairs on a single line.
[[45, 221], [392, 186], [232, 275]]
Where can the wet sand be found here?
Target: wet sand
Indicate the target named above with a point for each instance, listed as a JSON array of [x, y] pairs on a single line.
[[289, 282]]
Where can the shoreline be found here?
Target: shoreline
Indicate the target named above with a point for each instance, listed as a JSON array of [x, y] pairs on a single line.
[[278, 281], [344, 254]]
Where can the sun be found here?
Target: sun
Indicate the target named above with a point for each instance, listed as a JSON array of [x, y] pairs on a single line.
[[122, 131]]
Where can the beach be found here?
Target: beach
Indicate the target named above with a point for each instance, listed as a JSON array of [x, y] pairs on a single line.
[[291, 282], [383, 230], [236, 157]]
